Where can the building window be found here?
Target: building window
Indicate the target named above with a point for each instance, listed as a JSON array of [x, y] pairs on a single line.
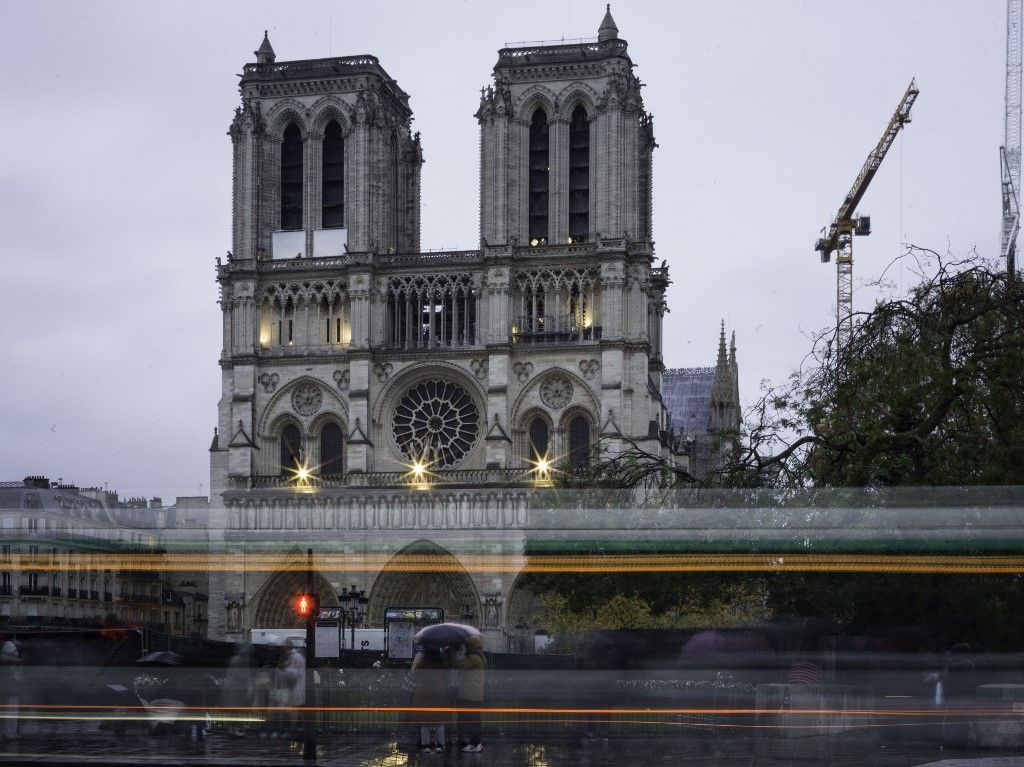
[[538, 433], [436, 424], [291, 178], [539, 178], [579, 176], [579, 441], [332, 449], [333, 189], [291, 449]]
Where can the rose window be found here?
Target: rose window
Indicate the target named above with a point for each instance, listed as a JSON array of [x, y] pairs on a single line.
[[436, 423]]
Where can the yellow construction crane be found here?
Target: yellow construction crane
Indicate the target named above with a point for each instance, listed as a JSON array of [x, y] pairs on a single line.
[[839, 237]]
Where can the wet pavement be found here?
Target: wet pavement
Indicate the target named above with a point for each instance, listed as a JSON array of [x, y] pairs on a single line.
[[82, 746]]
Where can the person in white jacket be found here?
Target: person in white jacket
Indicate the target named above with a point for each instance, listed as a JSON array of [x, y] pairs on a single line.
[[293, 677]]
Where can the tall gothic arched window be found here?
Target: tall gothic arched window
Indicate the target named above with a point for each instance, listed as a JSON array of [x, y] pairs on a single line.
[[291, 178], [539, 178], [333, 178], [332, 449], [291, 449], [579, 441], [538, 433], [579, 175]]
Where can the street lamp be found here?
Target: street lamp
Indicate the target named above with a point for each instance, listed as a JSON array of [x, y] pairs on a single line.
[[353, 609]]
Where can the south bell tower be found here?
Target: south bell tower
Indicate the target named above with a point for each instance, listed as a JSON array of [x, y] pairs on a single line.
[[565, 145]]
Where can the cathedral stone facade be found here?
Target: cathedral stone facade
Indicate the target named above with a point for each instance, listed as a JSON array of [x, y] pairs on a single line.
[[389, 402]]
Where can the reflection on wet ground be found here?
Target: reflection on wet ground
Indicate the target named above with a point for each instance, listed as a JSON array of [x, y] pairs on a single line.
[[82, 744]]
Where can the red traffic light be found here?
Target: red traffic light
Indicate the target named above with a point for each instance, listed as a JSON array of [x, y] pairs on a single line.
[[305, 605]]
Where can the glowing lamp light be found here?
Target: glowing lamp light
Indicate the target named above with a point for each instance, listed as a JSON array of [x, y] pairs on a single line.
[[419, 470], [534, 242], [543, 466]]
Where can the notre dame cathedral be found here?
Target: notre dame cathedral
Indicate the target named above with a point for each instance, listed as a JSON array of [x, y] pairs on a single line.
[[387, 401]]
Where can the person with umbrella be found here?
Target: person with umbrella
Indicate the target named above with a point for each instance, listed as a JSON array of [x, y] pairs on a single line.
[[472, 668], [429, 692]]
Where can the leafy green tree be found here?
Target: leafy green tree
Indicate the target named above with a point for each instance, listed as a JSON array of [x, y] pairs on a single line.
[[927, 391]]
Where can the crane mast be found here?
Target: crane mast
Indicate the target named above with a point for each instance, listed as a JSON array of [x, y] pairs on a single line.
[[1009, 152], [840, 233]]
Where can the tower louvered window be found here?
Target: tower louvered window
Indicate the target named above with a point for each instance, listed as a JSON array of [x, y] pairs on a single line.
[[331, 449], [539, 178], [291, 178], [333, 189], [291, 449], [579, 175]]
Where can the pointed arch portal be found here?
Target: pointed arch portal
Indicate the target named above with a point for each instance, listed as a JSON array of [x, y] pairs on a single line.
[[423, 575], [274, 607]]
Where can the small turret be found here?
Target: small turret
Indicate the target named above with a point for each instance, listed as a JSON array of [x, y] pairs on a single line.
[[607, 30], [265, 53]]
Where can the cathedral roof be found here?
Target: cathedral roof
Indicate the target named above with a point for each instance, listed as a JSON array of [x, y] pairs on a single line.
[[607, 30]]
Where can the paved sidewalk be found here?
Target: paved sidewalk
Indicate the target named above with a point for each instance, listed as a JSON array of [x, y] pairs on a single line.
[[85, 748]]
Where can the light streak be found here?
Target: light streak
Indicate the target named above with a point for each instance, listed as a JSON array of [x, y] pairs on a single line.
[[541, 563]]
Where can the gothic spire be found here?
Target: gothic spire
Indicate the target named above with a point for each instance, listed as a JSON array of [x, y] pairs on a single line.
[[722, 359], [732, 349], [607, 30], [265, 53]]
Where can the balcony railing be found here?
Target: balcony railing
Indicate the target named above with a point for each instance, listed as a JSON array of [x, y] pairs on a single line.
[[6, 591], [549, 329], [34, 591], [305, 350], [108, 597], [94, 596], [72, 593], [56, 591], [385, 479]]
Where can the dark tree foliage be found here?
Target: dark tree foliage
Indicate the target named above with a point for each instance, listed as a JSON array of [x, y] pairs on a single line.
[[928, 391]]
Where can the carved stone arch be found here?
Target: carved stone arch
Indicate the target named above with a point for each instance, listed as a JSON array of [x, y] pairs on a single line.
[[577, 409], [423, 574], [533, 97], [521, 432], [320, 420], [577, 94], [583, 394], [278, 404], [284, 112], [393, 392], [328, 108], [413, 374], [271, 606], [522, 604]]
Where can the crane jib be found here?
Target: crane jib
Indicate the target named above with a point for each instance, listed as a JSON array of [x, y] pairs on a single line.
[[874, 160]]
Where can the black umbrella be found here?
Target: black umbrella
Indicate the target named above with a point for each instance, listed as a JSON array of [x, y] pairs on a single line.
[[445, 634], [160, 658]]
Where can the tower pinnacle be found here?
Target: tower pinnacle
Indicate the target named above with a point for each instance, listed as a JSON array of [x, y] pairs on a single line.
[[607, 30], [265, 53]]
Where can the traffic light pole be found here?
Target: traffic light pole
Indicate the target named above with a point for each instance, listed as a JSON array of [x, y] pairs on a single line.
[[309, 739]]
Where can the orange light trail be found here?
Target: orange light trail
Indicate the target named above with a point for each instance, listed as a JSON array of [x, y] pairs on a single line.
[[540, 563]]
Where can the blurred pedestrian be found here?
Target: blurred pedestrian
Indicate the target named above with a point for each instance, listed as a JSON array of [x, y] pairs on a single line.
[[11, 682], [472, 666], [292, 676], [239, 687], [429, 692]]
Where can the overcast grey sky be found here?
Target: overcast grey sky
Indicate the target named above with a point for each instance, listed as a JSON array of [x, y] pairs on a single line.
[[115, 181]]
